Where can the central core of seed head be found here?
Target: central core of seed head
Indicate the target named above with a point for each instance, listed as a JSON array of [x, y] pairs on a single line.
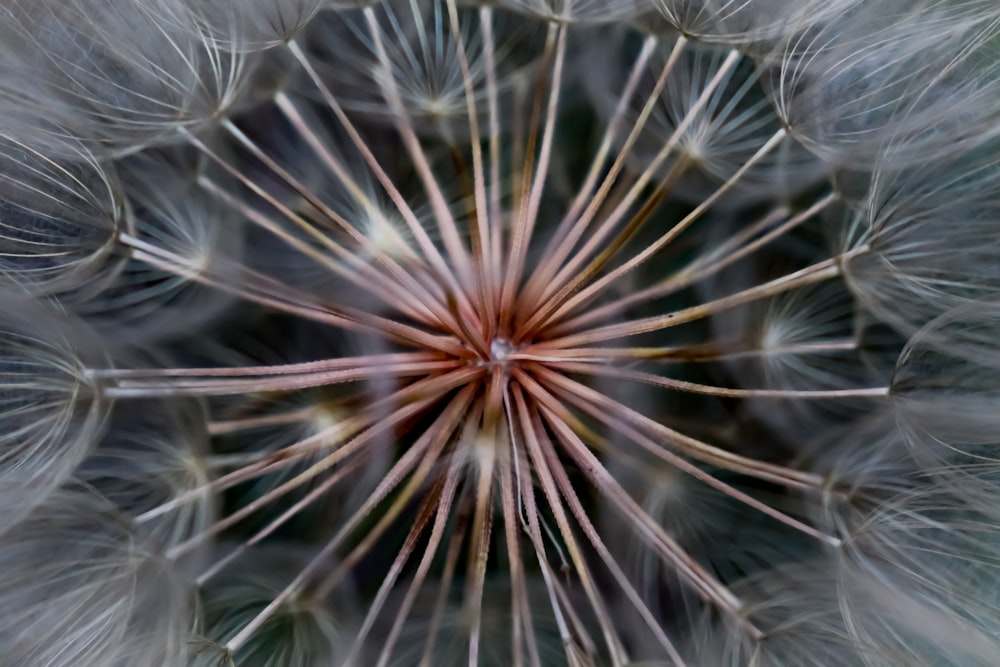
[[500, 351]]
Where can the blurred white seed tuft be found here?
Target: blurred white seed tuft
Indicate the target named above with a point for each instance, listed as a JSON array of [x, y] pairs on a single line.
[[499, 332]]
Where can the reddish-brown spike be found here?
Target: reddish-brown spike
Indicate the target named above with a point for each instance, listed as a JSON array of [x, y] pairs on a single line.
[[266, 292], [587, 203], [413, 224], [584, 397], [444, 587], [534, 433], [816, 273], [595, 240], [482, 528], [522, 635], [437, 505], [650, 250], [574, 445], [710, 390], [532, 517], [550, 311], [273, 461], [127, 388], [532, 180], [695, 574], [432, 460]]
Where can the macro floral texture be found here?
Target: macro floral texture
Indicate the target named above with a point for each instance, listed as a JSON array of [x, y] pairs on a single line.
[[499, 332]]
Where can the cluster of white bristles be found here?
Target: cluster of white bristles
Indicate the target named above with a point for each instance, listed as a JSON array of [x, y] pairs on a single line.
[[499, 332]]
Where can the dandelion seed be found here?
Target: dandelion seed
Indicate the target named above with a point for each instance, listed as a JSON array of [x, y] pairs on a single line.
[[747, 21], [918, 578], [305, 632], [150, 457], [913, 275], [452, 350], [944, 387], [82, 588], [880, 70], [51, 411], [60, 218], [121, 74]]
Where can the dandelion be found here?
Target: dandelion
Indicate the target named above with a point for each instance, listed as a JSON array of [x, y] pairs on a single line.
[[82, 587], [497, 333]]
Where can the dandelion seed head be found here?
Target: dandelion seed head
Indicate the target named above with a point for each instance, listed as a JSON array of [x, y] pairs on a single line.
[[60, 218], [845, 86], [502, 332], [52, 411], [83, 588]]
